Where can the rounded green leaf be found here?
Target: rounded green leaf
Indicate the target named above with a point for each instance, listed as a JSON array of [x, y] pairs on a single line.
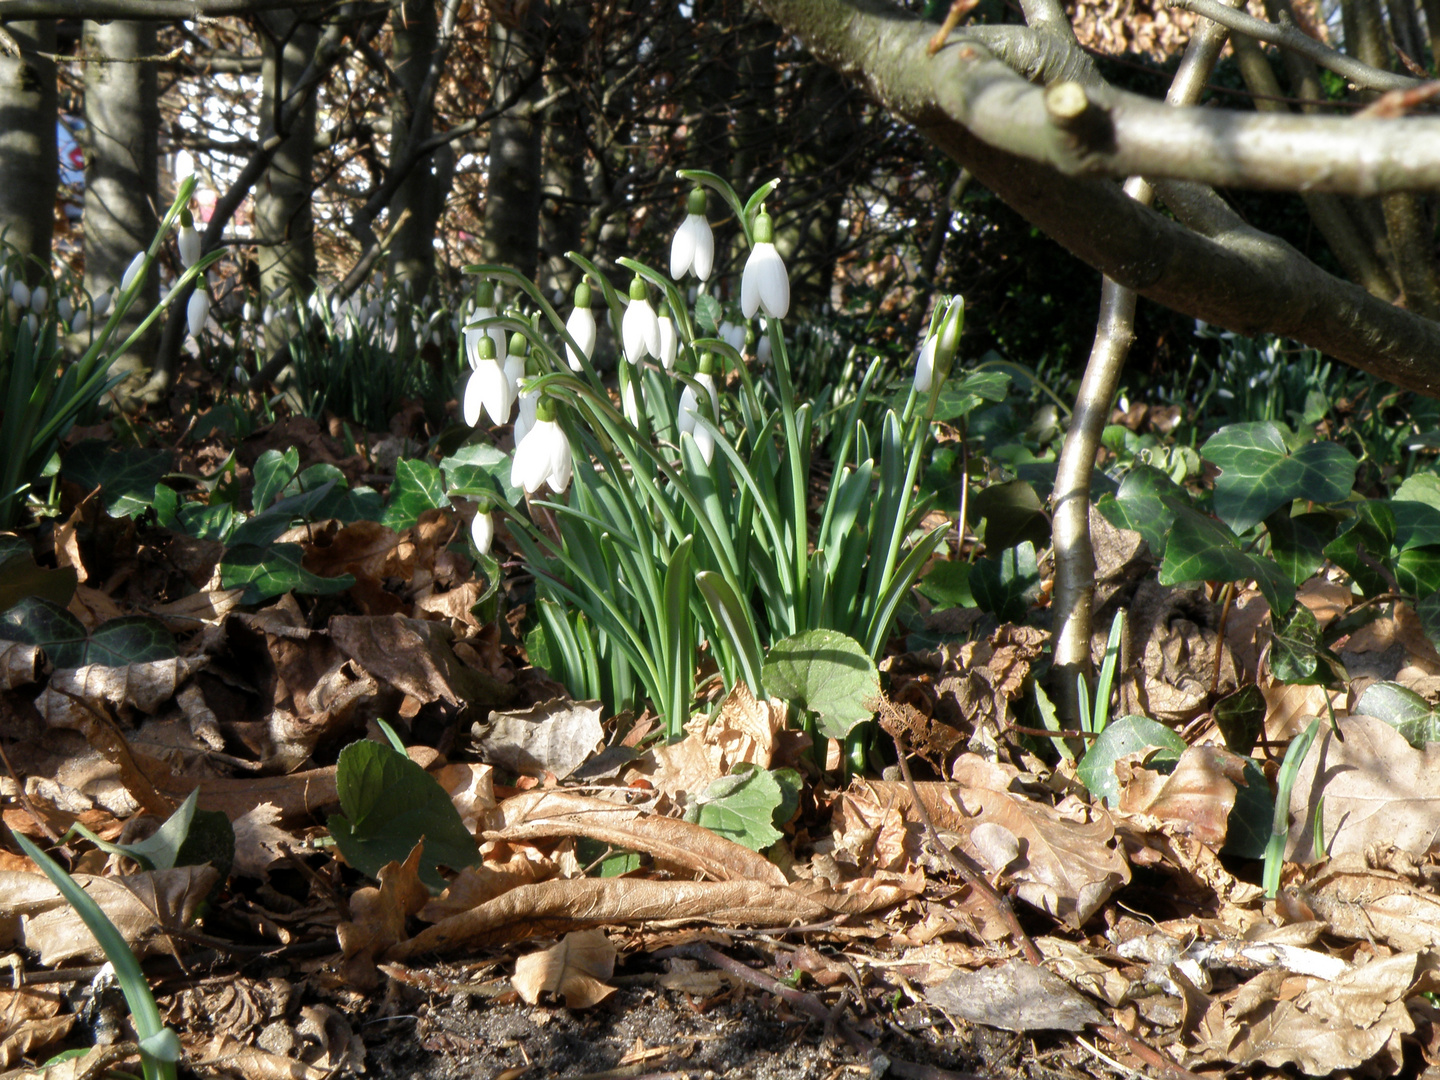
[[827, 673]]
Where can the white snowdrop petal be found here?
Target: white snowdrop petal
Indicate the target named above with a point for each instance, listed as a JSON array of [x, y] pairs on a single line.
[[482, 531]]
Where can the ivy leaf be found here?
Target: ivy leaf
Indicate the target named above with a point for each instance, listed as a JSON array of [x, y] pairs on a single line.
[[481, 469], [1364, 545], [273, 570], [1417, 570], [1298, 654], [1013, 514], [281, 514], [126, 478], [1240, 717], [741, 807], [1145, 504], [1201, 549], [388, 804], [1259, 474], [418, 487], [1403, 709], [960, 397], [947, 583], [1006, 586], [1297, 544], [275, 472], [134, 639], [1416, 505], [827, 673], [20, 577]]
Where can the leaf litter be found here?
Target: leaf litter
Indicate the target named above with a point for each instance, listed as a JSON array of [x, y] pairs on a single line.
[[531, 854]]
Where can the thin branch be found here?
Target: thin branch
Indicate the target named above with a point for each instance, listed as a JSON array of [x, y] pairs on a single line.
[[1360, 74], [141, 10]]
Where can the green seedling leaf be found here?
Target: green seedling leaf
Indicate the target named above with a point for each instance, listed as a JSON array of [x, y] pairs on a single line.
[[1363, 546], [1128, 735], [276, 475], [1297, 544], [948, 584], [960, 397], [480, 469], [1248, 827], [1299, 656], [1416, 505], [418, 487], [126, 478], [1403, 709], [742, 806], [133, 639], [1417, 570], [274, 570], [1241, 717], [1006, 586], [1145, 504], [1258, 473], [281, 515], [827, 673], [1013, 515], [189, 837], [389, 804], [708, 314]]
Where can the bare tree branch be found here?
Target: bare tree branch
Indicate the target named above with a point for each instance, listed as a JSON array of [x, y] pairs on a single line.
[[994, 123], [141, 10]]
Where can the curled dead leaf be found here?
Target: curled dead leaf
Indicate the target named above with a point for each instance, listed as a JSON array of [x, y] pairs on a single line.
[[574, 968]]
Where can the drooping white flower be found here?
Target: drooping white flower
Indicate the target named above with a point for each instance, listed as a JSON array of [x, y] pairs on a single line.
[[247, 312], [484, 309], [487, 389], [515, 361], [132, 272], [765, 286], [733, 334], [669, 339], [694, 245], [64, 308], [630, 401], [188, 241], [39, 298], [20, 293], [81, 322], [690, 409], [925, 366], [640, 329], [196, 311], [102, 303], [482, 530], [581, 327], [544, 454], [525, 416]]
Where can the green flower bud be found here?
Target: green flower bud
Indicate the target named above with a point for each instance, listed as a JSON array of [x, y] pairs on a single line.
[[695, 202], [582, 294], [638, 291]]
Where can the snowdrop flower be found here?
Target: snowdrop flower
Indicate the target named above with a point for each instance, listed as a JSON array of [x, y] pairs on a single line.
[[765, 286], [64, 308], [33, 321], [484, 309], [763, 349], [102, 303], [669, 339], [544, 455], [733, 334], [630, 401], [694, 245], [690, 407], [640, 328], [80, 323], [39, 298], [482, 529], [247, 311], [581, 327], [132, 272], [487, 389], [937, 355], [515, 361], [20, 293], [525, 417], [197, 310], [188, 241]]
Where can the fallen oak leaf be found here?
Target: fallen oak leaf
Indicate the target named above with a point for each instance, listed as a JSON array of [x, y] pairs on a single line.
[[574, 968]]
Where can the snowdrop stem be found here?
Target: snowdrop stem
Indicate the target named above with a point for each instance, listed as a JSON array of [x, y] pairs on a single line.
[[798, 458]]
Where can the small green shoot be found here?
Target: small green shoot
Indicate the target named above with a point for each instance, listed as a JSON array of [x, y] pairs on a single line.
[[1280, 829]]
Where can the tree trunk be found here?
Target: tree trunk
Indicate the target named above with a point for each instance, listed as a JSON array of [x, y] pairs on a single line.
[[414, 26], [28, 169], [512, 192], [122, 122], [562, 214], [284, 223]]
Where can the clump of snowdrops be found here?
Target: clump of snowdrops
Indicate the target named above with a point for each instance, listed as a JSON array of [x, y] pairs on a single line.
[[678, 530]]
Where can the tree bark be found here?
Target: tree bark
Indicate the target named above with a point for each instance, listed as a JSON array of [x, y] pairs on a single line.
[[28, 168], [512, 192], [563, 211], [414, 29], [122, 123]]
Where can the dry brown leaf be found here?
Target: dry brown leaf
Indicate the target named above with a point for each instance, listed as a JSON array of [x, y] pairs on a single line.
[[1195, 799], [415, 657], [142, 906], [1363, 903], [379, 916], [300, 797], [1377, 788], [556, 907], [476, 885], [1341, 1023], [253, 1063], [471, 787], [30, 1019], [1289, 708], [555, 736], [672, 843], [574, 968], [1014, 996], [207, 606], [259, 841], [743, 730], [1068, 867], [19, 664]]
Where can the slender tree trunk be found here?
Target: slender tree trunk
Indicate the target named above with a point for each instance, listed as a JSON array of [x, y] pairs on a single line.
[[414, 26], [284, 223], [28, 168], [563, 211], [122, 122], [512, 192]]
